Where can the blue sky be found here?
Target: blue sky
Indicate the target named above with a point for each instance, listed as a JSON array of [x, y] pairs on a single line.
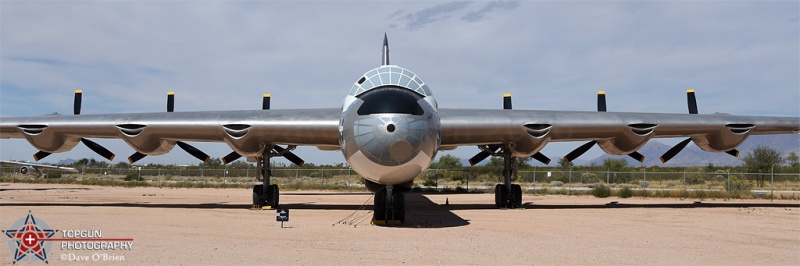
[[742, 57]]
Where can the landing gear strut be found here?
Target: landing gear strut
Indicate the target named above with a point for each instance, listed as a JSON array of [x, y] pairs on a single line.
[[265, 194], [508, 195]]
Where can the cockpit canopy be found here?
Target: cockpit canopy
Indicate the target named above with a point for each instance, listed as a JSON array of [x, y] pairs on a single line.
[[390, 100], [390, 76]]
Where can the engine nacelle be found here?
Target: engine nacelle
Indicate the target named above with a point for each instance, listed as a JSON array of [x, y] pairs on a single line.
[[45, 139], [138, 137], [244, 142], [630, 139], [536, 138], [727, 138], [30, 171]]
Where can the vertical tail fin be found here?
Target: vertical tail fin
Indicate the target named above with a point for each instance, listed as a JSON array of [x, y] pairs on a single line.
[[385, 61]]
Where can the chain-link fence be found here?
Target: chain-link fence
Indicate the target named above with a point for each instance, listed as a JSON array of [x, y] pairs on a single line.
[[719, 183]]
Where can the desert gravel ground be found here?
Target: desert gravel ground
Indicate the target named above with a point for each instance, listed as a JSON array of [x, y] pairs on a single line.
[[215, 226]]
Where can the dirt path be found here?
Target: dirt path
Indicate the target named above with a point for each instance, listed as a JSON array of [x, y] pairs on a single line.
[[214, 226]]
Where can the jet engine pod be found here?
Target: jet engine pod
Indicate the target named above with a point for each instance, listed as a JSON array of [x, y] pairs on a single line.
[[48, 139], [630, 139], [727, 138], [144, 140], [30, 171], [531, 140]]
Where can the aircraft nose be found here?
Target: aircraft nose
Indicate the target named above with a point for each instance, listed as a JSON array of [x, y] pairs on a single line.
[[400, 150]]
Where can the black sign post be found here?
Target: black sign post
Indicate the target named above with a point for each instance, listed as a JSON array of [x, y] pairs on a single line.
[[282, 215]]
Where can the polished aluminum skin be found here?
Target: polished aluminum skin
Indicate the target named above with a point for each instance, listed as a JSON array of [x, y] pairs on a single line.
[[389, 148]]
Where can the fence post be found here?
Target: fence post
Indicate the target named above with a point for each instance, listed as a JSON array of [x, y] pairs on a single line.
[[534, 180], [645, 183], [729, 185], [468, 174], [684, 183], [772, 184], [569, 186]]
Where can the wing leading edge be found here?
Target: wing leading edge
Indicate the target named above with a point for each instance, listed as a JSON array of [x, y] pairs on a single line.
[[246, 132], [526, 132]]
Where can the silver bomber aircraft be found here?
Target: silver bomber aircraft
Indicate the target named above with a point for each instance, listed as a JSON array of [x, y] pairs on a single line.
[[389, 130], [34, 170]]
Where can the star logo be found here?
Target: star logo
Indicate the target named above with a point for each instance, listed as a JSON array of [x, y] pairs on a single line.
[[29, 238]]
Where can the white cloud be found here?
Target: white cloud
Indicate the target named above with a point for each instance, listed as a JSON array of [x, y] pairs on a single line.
[[549, 55]]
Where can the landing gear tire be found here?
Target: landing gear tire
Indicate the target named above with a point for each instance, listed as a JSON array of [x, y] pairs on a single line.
[[516, 192], [258, 200], [399, 207], [501, 198], [274, 192], [272, 198], [504, 199], [379, 213]]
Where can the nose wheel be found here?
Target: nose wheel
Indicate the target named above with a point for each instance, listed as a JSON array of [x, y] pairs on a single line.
[[390, 207]]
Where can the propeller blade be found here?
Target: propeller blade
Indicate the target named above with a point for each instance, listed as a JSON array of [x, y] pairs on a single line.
[[265, 102], [170, 101], [290, 156], [601, 101], [479, 157], [579, 151], [692, 101], [233, 156], [637, 156], [102, 151], [674, 150], [483, 155], [76, 107], [197, 153], [40, 155], [541, 157], [507, 101], [733, 152], [136, 157]]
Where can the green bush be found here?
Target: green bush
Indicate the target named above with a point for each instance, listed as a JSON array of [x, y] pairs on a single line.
[[601, 191], [429, 182], [53, 174], [131, 177], [739, 184], [625, 192]]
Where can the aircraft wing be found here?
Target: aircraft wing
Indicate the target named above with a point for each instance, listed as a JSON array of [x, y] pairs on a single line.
[[40, 166], [615, 133], [157, 133]]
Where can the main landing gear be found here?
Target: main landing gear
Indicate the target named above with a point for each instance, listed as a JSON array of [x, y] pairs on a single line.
[[508, 195], [265, 194]]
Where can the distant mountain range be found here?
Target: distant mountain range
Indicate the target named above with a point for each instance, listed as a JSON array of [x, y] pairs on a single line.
[[66, 162], [694, 156]]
